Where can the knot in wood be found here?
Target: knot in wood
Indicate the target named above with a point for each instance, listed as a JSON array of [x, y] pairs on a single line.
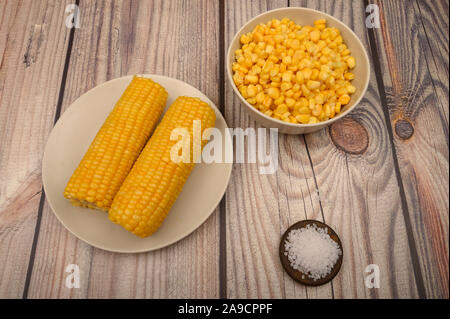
[[404, 129], [349, 136]]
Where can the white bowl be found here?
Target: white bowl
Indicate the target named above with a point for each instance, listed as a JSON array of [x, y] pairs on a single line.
[[304, 16]]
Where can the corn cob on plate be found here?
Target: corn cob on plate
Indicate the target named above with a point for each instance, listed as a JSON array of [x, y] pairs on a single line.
[[71, 138], [117, 145]]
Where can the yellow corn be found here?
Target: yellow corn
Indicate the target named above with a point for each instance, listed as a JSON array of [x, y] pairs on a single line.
[[155, 181], [291, 61], [117, 144]]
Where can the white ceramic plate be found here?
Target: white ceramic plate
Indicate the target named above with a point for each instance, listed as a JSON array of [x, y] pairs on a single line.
[[71, 137]]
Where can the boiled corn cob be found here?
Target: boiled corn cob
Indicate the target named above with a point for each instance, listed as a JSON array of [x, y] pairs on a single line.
[[154, 183], [117, 145]]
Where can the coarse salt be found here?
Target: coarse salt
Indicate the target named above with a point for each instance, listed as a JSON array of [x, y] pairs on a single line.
[[312, 251]]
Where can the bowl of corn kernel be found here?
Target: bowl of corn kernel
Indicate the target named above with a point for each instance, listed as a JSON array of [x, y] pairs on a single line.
[[297, 69]]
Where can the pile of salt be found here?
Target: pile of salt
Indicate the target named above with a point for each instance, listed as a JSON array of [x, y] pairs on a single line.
[[312, 251]]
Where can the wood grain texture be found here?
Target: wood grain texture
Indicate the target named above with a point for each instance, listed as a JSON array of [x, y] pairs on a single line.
[[412, 95], [33, 43], [359, 192], [261, 207], [434, 20], [356, 194], [379, 177], [116, 38]]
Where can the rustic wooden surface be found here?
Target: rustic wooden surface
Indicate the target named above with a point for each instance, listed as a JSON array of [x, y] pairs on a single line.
[[379, 177]]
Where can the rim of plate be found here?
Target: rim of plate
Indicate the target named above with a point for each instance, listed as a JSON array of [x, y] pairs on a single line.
[[70, 109]]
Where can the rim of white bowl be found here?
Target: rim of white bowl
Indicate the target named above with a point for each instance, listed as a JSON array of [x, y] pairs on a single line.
[[327, 122]]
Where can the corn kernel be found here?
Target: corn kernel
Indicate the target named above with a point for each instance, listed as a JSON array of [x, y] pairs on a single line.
[[238, 79], [285, 116], [351, 62], [323, 76], [351, 89], [279, 100], [341, 91], [287, 60], [312, 103], [274, 93], [317, 110], [295, 96], [299, 77], [295, 44], [251, 100], [264, 78], [243, 90], [281, 109], [312, 85], [331, 81], [345, 52], [327, 109], [319, 98], [304, 110], [302, 118], [304, 63], [344, 99], [267, 102], [289, 93], [260, 97], [287, 76], [305, 91], [251, 91], [313, 120], [245, 39], [273, 72], [311, 47], [251, 78], [285, 86], [320, 21], [315, 36], [349, 76], [307, 73], [275, 84], [290, 102], [323, 59]]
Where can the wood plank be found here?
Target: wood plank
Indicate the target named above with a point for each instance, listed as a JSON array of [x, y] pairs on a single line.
[[359, 192], [259, 208], [420, 124], [33, 44], [255, 216], [434, 25], [116, 38]]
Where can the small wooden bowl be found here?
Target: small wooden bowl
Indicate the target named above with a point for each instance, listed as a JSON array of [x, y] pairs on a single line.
[[298, 275]]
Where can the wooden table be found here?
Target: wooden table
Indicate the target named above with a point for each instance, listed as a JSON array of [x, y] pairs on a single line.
[[379, 178]]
